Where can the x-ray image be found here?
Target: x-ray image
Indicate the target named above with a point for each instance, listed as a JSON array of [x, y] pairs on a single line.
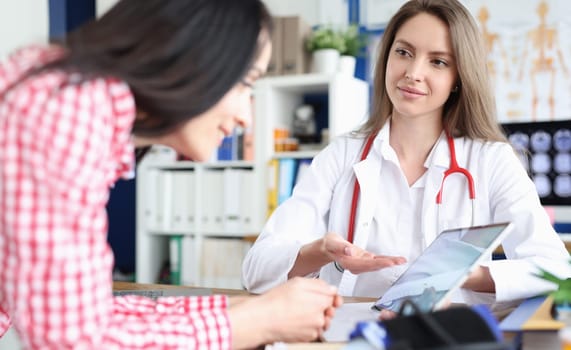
[[562, 163], [540, 141], [562, 140], [562, 186], [544, 149]]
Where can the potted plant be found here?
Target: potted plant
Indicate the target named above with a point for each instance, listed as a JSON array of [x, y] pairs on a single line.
[[561, 307], [326, 45], [354, 43]]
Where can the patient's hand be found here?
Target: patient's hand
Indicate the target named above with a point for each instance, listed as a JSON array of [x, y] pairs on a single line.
[[387, 315], [299, 310], [480, 280]]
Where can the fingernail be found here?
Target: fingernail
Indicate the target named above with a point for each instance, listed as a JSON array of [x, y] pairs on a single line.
[[347, 251]]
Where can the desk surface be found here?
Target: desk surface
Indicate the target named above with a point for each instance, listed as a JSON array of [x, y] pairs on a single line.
[[122, 286]]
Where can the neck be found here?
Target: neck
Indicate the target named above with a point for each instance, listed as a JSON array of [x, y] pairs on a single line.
[[413, 139]]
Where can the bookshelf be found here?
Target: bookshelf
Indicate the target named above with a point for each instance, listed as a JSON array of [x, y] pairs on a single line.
[[175, 198], [276, 98]]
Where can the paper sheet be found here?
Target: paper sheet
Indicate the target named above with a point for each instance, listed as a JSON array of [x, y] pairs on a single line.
[[346, 317]]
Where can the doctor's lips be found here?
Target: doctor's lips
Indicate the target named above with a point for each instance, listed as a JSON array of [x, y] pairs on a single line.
[[411, 90]]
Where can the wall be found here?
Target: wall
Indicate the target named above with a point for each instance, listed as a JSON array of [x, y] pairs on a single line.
[[26, 21], [103, 5], [22, 22], [529, 53], [312, 11]]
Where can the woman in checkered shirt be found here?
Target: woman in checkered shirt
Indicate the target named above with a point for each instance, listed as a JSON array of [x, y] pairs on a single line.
[[172, 72]]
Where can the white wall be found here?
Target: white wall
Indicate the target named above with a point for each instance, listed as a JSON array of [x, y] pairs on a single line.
[[22, 22], [312, 11], [103, 5], [375, 13]]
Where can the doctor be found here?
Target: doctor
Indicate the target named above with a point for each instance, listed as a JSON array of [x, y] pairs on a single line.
[[431, 82]]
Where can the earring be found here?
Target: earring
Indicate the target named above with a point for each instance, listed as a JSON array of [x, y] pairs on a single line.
[[455, 89]]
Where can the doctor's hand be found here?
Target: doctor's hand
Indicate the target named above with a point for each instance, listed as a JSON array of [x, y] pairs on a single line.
[[355, 259], [332, 247]]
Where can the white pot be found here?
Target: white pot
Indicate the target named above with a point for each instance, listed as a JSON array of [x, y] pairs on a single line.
[[325, 61], [347, 65]]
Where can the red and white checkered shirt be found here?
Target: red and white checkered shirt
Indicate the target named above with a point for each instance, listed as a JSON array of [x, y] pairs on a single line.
[[63, 143]]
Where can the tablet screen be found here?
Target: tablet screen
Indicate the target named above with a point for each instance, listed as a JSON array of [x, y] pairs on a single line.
[[443, 266]]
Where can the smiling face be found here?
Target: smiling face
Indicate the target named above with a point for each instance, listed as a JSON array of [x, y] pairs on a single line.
[[421, 70], [201, 135]]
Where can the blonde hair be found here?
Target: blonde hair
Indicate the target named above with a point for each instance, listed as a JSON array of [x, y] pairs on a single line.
[[471, 110]]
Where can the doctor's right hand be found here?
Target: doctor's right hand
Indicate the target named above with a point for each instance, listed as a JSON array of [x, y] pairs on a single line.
[[355, 259], [333, 248]]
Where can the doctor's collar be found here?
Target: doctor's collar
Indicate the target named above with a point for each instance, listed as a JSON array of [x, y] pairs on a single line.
[[439, 154]]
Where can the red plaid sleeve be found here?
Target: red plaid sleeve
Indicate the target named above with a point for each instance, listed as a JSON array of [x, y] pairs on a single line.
[[63, 143]]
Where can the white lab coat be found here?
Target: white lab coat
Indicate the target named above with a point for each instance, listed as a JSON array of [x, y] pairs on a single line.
[[321, 203]]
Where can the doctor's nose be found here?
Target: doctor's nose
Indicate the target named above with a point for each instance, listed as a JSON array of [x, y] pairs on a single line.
[[414, 72]]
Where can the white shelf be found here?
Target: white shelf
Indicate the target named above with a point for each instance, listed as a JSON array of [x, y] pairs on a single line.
[[304, 83], [296, 154], [276, 99], [208, 233], [192, 165]]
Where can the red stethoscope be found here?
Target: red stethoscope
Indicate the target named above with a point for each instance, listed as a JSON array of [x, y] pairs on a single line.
[[452, 169]]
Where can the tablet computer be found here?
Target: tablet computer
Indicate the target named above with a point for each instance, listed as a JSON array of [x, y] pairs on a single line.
[[443, 266]]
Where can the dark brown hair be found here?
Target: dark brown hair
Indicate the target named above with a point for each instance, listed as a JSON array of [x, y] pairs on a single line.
[[179, 57]]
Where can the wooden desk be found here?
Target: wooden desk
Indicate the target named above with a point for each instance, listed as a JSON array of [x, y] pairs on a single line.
[[120, 286]]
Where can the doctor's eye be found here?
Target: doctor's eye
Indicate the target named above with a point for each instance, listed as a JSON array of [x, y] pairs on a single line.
[[440, 63], [403, 52]]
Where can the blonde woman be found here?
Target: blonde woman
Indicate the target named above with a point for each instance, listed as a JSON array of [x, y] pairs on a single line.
[[433, 104]]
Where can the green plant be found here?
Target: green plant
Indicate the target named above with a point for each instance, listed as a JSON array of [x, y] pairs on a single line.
[[562, 295], [354, 41], [325, 38]]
